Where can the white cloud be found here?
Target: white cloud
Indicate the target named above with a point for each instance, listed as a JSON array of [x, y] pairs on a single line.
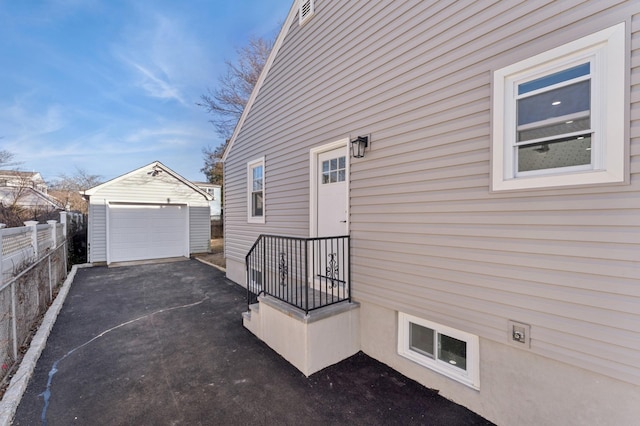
[[168, 60], [157, 86]]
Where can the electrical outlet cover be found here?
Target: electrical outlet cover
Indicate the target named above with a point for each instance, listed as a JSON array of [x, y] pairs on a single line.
[[519, 334]]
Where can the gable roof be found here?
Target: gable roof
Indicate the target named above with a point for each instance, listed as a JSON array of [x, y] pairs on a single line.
[[18, 173], [28, 197], [293, 13], [205, 184], [155, 164]]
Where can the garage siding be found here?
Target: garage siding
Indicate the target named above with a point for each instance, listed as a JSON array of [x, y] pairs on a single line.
[[97, 233], [143, 187]]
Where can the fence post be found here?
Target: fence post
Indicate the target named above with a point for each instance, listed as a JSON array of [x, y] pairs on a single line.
[[14, 320], [63, 220], [2, 226], [34, 235], [54, 237], [52, 225]]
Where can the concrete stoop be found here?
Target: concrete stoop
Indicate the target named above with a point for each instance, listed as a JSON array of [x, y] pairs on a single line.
[[309, 342]]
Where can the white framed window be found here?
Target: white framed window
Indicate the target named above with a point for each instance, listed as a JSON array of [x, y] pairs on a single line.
[[255, 191], [448, 351], [334, 170], [306, 9], [558, 117]]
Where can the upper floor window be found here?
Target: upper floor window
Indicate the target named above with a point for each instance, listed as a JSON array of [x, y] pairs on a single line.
[[305, 10], [558, 117], [255, 191]]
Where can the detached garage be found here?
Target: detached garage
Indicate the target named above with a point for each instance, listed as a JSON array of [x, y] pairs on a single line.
[[149, 213]]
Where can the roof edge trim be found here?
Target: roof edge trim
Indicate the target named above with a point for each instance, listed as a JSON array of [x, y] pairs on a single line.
[[293, 13]]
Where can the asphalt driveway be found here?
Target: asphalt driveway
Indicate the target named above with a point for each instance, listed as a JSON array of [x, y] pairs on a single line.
[[164, 344]]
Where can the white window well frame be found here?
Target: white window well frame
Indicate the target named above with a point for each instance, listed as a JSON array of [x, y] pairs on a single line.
[[251, 165], [605, 51], [470, 376]]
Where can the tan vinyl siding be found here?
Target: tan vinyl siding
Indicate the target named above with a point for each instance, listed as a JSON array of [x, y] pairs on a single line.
[[428, 236]]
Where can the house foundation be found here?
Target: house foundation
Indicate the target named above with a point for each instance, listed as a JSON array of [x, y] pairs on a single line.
[[310, 342]]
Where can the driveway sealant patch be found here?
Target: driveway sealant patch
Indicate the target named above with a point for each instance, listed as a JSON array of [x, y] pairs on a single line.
[[164, 344]]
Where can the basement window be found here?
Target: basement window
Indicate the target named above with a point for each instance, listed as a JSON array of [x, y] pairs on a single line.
[[445, 350]]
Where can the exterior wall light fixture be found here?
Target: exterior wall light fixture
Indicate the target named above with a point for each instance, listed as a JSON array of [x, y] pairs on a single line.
[[359, 146]]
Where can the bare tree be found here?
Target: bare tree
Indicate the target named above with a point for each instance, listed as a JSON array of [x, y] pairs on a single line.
[[7, 158], [79, 181], [67, 188], [226, 101]]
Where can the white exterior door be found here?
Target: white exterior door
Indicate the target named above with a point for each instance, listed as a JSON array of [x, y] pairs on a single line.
[[140, 232], [329, 257], [332, 185]]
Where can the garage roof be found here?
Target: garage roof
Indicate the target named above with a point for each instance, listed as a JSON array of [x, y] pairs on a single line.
[[155, 167]]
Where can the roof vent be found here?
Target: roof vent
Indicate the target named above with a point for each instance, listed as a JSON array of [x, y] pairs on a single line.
[[306, 10]]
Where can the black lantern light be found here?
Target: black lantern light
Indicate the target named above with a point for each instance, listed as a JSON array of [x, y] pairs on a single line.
[[359, 146]]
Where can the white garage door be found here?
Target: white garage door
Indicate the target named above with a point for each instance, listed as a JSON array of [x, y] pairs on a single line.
[[139, 232]]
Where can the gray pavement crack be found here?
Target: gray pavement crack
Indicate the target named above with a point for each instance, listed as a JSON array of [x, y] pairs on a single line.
[[54, 368]]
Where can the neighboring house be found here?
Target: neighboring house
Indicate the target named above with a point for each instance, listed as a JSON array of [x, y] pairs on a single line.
[[15, 178], [494, 219], [149, 213], [29, 199], [216, 192], [25, 193]]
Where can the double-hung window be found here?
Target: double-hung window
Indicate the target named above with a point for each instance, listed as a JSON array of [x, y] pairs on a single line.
[[558, 117], [255, 191], [448, 351]]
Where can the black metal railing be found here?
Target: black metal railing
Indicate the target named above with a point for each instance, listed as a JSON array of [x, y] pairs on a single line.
[[308, 273]]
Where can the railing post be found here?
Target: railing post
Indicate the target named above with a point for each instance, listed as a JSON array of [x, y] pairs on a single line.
[[308, 278], [33, 224], [349, 266], [264, 264], [248, 274]]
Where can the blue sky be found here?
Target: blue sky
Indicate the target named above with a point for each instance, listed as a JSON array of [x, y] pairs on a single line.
[[111, 85]]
